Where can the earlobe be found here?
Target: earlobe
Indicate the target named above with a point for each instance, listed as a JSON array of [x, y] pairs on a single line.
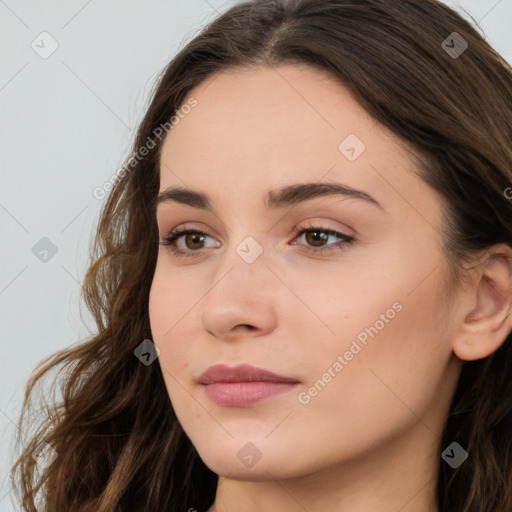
[[487, 324]]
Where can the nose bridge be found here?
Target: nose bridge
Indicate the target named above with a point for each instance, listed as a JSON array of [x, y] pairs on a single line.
[[242, 268], [246, 244], [239, 293]]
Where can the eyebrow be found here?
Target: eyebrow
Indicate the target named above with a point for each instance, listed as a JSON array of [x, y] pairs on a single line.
[[275, 199]]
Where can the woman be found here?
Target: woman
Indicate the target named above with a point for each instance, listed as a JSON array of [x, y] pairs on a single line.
[[302, 279]]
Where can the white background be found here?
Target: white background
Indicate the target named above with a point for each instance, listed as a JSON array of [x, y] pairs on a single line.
[[66, 126]]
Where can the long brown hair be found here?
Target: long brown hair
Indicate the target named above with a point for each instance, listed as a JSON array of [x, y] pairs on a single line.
[[118, 442]]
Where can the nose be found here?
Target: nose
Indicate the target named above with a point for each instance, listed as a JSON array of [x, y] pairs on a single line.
[[242, 299]]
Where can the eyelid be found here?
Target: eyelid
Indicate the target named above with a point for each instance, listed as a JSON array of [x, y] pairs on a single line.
[[177, 233], [309, 224]]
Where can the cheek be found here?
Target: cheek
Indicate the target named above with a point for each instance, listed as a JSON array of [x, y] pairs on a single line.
[[170, 312], [171, 299], [165, 313], [160, 306], [174, 312], [390, 319], [392, 336]]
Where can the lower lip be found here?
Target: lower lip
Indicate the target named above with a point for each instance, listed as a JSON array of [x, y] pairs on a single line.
[[242, 394]]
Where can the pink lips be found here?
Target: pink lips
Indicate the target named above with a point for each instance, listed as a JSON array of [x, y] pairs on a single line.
[[242, 385]]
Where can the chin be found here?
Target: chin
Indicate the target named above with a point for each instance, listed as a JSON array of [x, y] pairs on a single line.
[[243, 460]]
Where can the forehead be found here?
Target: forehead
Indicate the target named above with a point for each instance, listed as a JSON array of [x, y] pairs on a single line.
[[261, 128], [292, 112]]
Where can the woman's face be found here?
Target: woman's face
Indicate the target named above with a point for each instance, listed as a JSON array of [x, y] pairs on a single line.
[[359, 322]]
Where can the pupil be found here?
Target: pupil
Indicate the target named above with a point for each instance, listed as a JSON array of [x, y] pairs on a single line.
[[195, 237], [318, 236]]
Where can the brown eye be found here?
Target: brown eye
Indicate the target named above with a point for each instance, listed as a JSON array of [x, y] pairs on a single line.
[[316, 238], [194, 240]]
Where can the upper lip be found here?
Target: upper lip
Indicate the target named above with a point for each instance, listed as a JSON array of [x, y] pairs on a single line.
[[240, 373]]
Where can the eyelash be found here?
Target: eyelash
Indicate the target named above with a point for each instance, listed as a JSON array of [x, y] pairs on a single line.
[[177, 233]]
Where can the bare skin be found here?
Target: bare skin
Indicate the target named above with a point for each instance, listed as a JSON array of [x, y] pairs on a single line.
[[368, 437]]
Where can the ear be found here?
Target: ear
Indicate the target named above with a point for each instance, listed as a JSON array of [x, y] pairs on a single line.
[[487, 318]]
